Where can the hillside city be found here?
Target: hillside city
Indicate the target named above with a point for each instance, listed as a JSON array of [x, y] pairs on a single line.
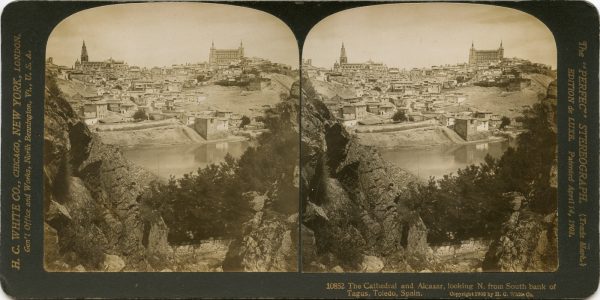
[[155, 161], [431, 169], [224, 96], [372, 97]]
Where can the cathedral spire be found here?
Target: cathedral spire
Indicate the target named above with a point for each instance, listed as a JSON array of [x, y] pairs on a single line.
[[343, 57], [500, 44], [84, 54]]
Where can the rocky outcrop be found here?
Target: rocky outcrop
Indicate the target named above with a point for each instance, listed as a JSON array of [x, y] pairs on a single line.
[[113, 263], [351, 205], [528, 244], [269, 244], [92, 194], [269, 239], [371, 264], [528, 240]]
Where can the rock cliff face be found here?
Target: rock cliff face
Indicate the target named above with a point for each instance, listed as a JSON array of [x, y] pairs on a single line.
[[92, 198], [269, 240], [352, 211], [528, 242]]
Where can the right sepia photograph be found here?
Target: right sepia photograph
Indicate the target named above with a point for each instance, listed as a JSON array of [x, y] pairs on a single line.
[[429, 141]]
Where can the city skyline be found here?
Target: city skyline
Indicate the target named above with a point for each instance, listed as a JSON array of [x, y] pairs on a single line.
[[126, 32], [427, 34]]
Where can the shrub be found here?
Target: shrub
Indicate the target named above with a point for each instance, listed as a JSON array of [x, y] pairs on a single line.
[[140, 115], [505, 121], [471, 204], [245, 121], [400, 116], [210, 202]]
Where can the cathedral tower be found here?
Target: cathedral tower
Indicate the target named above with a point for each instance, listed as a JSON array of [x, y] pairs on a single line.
[[472, 54], [84, 55], [343, 58]]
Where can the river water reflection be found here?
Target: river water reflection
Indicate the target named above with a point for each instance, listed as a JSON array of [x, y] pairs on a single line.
[[166, 161], [442, 160]]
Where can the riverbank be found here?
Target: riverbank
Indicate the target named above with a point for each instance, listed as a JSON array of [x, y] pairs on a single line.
[[155, 134], [423, 137], [229, 139]]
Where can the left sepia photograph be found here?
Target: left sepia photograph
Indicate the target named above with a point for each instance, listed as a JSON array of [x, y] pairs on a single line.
[[171, 141]]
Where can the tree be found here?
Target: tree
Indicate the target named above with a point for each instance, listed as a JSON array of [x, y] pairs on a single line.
[[505, 121], [206, 203], [245, 121], [140, 115], [476, 201], [213, 201], [400, 116]]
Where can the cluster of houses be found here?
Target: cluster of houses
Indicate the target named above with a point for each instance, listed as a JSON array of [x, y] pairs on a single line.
[[374, 93], [111, 91], [213, 125]]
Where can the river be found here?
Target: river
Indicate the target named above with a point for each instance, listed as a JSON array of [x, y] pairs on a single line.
[[167, 161], [441, 160]]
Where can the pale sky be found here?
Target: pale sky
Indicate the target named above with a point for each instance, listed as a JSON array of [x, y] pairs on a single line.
[[426, 34], [162, 34]]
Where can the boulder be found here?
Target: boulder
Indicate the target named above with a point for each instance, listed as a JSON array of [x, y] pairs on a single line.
[[57, 215], [371, 264], [79, 268], [157, 240], [314, 211], [257, 201], [337, 269], [113, 263], [417, 237]]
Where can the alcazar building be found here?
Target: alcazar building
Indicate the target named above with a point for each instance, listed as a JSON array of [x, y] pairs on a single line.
[[225, 57], [485, 56]]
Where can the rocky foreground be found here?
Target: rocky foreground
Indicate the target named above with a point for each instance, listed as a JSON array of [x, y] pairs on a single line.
[[92, 195], [354, 218], [95, 219], [529, 240]]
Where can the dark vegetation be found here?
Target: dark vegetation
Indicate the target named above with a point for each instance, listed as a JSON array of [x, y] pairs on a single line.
[[505, 121], [140, 115], [400, 116], [213, 201], [245, 121], [476, 201]]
